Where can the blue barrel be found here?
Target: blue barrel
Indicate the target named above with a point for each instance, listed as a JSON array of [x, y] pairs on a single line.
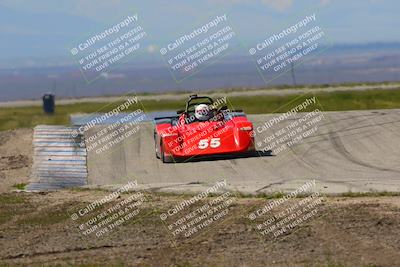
[[48, 103]]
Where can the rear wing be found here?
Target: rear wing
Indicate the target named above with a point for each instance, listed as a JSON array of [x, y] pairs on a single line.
[[167, 119], [170, 119], [236, 113]]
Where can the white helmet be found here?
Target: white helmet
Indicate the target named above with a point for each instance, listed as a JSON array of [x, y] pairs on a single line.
[[201, 112]]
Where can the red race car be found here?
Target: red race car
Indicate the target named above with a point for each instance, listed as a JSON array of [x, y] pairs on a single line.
[[203, 129]]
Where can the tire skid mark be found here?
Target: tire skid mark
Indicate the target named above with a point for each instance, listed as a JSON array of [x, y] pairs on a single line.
[[269, 185], [341, 149]]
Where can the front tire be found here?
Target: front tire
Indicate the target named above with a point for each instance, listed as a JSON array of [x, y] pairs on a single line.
[[165, 158], [155, 146]]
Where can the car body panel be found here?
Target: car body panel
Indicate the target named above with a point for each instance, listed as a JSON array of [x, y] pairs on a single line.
[[230, 132]]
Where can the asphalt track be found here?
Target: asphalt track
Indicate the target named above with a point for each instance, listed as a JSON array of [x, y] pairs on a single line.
[[356, 151]]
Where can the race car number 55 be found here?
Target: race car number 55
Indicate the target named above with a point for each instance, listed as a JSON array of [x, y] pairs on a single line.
[[214, 143]]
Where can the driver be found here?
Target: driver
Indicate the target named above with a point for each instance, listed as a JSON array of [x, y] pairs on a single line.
[[202, 112]]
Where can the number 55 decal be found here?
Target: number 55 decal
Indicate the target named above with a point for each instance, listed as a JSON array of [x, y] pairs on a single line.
[[214, 143]]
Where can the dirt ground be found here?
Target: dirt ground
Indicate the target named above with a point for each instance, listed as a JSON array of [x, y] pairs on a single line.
[[36, 229], [15, 157]]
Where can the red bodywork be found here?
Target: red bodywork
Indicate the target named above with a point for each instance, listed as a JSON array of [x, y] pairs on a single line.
[[227, 133]]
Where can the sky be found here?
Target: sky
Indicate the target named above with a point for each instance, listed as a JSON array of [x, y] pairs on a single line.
[[47, 28]]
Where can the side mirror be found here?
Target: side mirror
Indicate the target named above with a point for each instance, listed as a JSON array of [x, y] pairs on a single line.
[[180, 111]]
